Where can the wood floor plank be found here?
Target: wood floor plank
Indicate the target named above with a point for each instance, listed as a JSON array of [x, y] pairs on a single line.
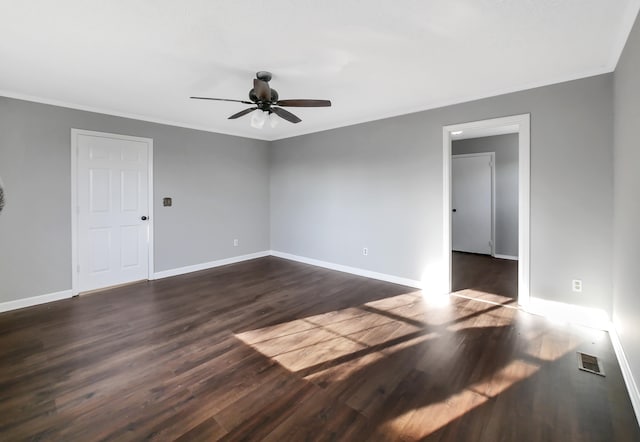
[[484, 277], [271, 349], [204, 432]]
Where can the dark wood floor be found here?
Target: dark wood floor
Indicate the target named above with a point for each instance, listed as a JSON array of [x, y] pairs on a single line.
[[276, 350], [484, 277]]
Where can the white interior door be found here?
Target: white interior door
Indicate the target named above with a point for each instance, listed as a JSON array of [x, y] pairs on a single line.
[[472, 198], [113, 227]]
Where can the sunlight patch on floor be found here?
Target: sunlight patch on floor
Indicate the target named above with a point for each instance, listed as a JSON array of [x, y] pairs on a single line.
[[396, 301], [429, 311], [550, 345], [315, 345], [336, 346], [487, 297], [421, 422]]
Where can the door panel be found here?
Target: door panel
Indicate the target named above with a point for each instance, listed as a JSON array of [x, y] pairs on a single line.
[[129, 246], [100, 190], [99, 247], [130, 190], [112, 196], [472, 194]]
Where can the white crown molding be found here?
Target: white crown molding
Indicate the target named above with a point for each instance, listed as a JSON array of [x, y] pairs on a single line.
[[454, 101], [265, 135], [112, 113]]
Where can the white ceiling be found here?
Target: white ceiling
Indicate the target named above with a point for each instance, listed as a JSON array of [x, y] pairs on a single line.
[[371, 58]]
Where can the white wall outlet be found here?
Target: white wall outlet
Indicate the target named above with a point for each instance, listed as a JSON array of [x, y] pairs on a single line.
[[235, 243], [365, 251], [576, 285]]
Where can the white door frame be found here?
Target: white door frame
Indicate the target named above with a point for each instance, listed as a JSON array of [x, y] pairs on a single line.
[[523, 125], [75, 206], [492, 155]]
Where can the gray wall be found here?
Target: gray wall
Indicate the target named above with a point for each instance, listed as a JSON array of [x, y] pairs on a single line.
[[379, 185], [375, 185], [626, 276], [506, 171], [220, 186]]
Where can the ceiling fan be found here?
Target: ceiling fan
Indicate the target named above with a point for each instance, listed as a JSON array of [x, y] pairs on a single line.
[[267, 100]]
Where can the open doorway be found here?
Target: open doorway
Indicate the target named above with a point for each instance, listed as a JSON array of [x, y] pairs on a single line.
[[487, 209], [484, 216]]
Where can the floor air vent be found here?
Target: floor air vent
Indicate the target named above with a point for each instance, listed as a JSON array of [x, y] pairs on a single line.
[[589, 363]]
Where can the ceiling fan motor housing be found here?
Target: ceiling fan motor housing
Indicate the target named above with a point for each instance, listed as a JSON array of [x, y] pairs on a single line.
[[253, 97], [263, 75]]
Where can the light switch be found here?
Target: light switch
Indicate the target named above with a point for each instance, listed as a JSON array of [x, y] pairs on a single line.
[[166, 202]]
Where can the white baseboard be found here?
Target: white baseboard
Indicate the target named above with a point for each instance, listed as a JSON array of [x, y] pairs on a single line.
[[353, 270], [208, 265], [511, 257], [569, 313], [34, 300], [629, 381], [42, 299]]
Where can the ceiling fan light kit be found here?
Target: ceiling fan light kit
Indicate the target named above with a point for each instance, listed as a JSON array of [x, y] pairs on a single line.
[[273, 121], [267, 101], [258, 119]]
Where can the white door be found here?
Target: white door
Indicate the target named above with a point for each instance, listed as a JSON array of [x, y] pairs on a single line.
[[472, 197], [112, 197]]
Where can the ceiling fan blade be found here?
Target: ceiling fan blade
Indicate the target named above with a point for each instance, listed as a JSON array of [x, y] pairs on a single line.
[[242, 113], [262, 89], [221, 99], [304, 103], [286, 115]]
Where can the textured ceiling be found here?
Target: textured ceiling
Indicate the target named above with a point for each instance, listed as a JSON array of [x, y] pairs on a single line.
[[373, 59]]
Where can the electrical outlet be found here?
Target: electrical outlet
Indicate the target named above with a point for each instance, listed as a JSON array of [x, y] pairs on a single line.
[[365, 251], [576, 285], [235, 243]]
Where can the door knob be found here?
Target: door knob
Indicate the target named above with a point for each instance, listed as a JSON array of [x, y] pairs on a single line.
[[144, 218], [454, 210]]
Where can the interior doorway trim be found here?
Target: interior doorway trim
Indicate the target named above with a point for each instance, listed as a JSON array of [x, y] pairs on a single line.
[[521, 125], [75, 133]]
